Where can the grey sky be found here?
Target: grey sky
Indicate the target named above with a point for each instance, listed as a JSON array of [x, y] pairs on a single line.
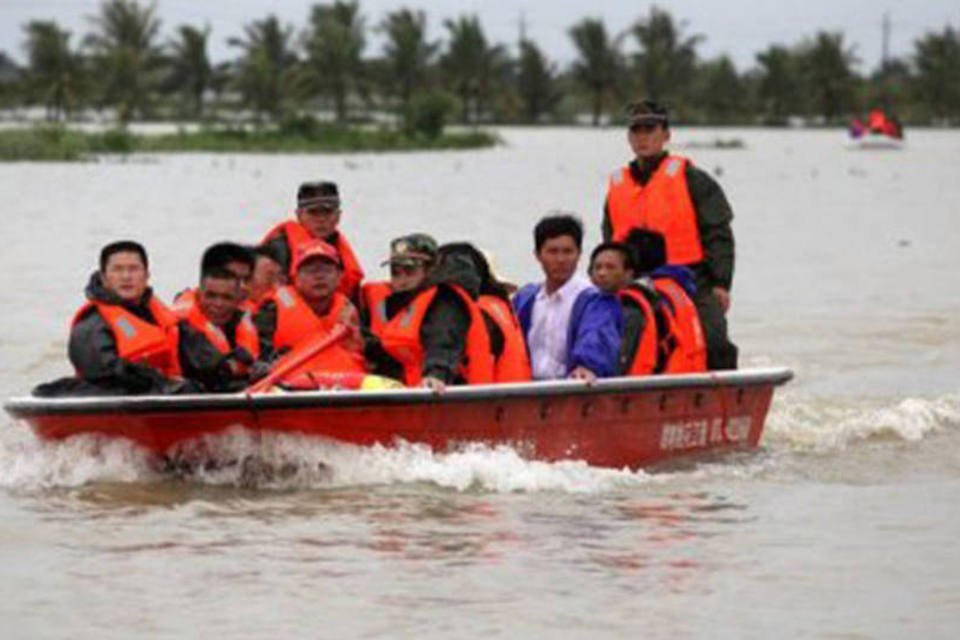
[[737, 27]]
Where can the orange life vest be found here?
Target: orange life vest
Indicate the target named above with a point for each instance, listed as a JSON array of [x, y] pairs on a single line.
[[645, 359], [513, 365], [662, 205], [373, 299], [297, 234], [296, 322], [689, 354], [400, 337], [877, 121], [187, 308], [139, 341]]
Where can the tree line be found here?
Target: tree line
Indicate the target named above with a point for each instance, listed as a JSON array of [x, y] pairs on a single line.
[[125, 64]]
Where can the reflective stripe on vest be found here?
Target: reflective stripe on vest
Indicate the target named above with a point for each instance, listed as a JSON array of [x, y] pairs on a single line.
[[297, 323], [401, 339], [139, 341], [662, 205], [373, 299], [513, 365], [187, 307], [690, 352], [297, 234], [644, 360]]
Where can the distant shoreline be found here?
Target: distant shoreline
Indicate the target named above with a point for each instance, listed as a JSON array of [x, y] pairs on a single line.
[[58, 143]]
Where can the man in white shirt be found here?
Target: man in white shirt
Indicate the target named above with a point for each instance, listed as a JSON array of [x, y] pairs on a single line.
[[572, 328]]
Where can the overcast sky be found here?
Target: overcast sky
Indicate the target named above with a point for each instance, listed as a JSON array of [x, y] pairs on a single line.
[[737, 27]]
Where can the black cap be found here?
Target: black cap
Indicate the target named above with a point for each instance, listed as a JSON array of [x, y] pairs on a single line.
[[649, 250], [647, 112], [318, 193]]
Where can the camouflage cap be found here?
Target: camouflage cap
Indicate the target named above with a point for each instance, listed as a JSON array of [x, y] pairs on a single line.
[[412, 249]]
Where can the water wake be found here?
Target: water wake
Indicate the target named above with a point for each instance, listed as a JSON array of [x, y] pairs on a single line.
[[810, 424]]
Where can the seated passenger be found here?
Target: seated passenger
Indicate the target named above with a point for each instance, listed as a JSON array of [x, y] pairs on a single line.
[[611, 270], [218, 341], [572, 328], [294, 314], [511, 362], [318, 217], [669, 291], [268, 274], [231, 256], [425, 327], [124, 340]]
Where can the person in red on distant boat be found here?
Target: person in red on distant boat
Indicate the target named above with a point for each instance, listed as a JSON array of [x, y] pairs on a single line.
[[294, 314], [124, 340], [317, 218], [881, 123], [218, 341], [425, 327]]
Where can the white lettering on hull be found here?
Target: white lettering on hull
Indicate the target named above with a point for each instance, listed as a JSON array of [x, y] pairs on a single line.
[[699, 433]]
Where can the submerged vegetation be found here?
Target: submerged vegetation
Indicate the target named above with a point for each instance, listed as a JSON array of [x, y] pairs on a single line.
[[57, 143]]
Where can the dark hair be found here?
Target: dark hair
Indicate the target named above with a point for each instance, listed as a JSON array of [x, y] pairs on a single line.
[[649, 250], [218, 273], [223, 253], [619, 247], [266, 251], [488, 284], [122, 246], [556, 225]]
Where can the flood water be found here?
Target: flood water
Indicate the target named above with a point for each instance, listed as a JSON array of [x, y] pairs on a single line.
[[844, 525]]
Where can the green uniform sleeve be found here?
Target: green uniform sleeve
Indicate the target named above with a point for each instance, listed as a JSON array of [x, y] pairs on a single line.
[[714, 216]]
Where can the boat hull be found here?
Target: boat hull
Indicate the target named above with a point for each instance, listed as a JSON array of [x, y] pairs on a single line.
[[620, 422]]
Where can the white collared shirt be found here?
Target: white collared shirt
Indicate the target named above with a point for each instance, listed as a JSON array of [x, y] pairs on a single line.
[[549, 324]]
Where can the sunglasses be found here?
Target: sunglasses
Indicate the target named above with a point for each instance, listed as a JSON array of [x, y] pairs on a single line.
[[319, 210], [404, 269], [644, 127]]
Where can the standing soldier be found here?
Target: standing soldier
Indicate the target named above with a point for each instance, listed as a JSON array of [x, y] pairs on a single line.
[[318, 218], [667, 194]]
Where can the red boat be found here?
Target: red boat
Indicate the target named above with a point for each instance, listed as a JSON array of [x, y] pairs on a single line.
[[615, 422]]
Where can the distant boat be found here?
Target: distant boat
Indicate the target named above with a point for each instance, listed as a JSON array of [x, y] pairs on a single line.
[[881, 131]]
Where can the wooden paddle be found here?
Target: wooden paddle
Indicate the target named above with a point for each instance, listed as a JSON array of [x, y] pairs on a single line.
[[300, 355]]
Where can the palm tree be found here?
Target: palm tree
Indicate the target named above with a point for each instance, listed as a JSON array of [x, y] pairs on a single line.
[[666, 62], [937, 60], [536, 81], [126, 56], [190, 69], [779, 90], [600, 66], [720, 92], [54, 73], [334, 47], [265, 73], [826, 67], [407, 53], [471, 65]]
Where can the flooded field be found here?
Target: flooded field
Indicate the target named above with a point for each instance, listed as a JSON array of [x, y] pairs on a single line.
[[843, 526]]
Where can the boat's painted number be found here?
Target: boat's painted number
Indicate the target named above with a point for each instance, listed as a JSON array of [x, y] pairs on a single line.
[[702, 432]]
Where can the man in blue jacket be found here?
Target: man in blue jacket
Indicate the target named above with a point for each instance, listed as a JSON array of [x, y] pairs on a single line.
[[572, 328]]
